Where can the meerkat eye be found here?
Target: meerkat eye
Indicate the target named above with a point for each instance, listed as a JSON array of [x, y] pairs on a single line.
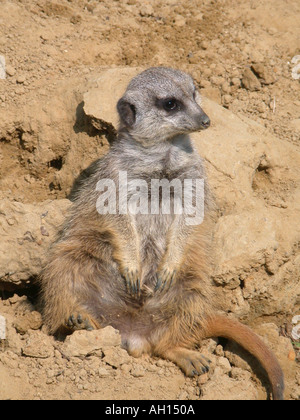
[[170, 104]]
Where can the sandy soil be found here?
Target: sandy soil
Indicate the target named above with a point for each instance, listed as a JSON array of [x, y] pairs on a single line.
[[240, 54]]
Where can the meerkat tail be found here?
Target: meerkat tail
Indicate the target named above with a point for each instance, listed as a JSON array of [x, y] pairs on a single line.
[[221, 326]]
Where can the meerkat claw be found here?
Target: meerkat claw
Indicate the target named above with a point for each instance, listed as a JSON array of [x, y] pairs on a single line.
[[198, 366], [133, 282], [165, 280]]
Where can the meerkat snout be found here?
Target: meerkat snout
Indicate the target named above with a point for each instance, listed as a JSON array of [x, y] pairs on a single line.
[[204, 121], [159, 104]]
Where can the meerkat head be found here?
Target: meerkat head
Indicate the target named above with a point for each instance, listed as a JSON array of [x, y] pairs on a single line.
[[159, 104]]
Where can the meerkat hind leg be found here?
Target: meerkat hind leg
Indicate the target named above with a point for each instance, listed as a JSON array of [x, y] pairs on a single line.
[[190, 361]]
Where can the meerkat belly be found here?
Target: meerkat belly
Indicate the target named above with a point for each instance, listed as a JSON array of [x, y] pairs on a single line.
[[137, 318], [138, 327], [136, 324], [153, 243]]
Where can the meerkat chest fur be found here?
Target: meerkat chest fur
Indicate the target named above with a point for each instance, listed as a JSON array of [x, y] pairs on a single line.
[[161, 168]]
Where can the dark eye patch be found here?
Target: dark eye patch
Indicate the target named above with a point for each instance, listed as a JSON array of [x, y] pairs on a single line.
[[169, 104]]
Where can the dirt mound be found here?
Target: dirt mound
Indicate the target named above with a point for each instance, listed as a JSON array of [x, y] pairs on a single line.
[[71, 59]]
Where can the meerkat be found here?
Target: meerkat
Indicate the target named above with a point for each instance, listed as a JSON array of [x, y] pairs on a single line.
[[145, 273]]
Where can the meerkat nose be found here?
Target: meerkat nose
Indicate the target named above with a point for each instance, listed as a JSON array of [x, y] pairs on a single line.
[[205, 121]]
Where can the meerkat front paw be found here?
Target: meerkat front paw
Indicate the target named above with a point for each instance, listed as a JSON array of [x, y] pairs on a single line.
[[132, 281], [165, 279]]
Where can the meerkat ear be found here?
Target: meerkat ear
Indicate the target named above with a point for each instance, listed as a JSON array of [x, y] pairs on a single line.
[[126, 111]]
